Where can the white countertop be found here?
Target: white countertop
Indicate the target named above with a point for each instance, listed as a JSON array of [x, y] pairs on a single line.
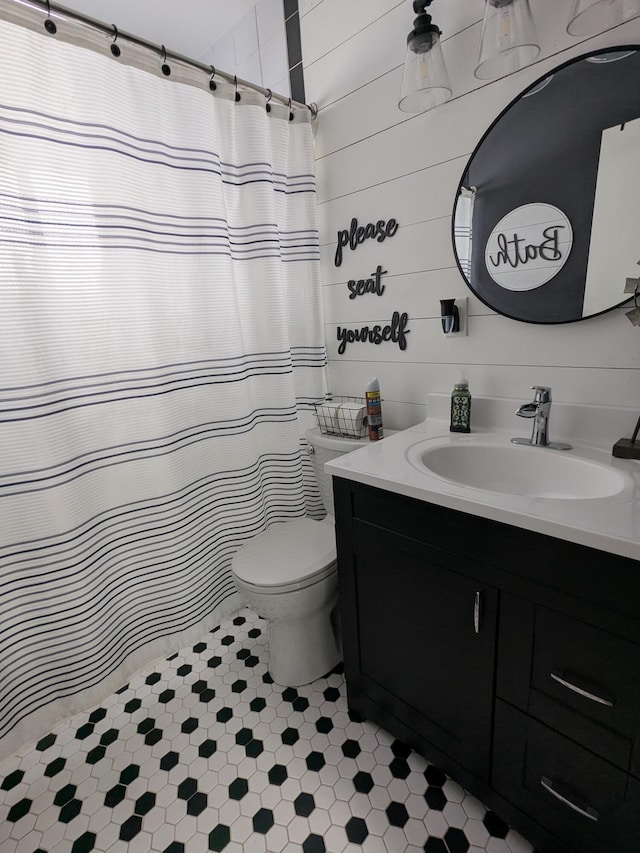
[[610, 524]]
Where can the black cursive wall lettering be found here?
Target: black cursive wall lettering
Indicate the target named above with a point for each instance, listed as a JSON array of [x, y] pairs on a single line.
[[368, 285], [516, 252], [357, 234], [396, 332]]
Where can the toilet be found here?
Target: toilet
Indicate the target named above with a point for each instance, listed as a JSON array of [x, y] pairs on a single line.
[[288, 576]]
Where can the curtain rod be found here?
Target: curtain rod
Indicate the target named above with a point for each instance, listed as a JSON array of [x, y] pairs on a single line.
[[49, 9]]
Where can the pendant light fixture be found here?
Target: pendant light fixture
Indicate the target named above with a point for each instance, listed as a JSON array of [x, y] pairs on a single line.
[[425, 81], [509, 38], [590, 17]]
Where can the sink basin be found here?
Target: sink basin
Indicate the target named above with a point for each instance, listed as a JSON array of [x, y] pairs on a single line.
[[535, 472]]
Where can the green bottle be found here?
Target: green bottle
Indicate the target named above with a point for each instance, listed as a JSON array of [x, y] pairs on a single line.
[[460, 407]]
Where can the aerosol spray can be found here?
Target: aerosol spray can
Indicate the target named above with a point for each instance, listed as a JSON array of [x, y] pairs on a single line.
[[374, 409]]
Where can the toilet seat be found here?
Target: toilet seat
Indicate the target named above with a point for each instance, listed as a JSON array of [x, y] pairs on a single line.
[[288, 556]]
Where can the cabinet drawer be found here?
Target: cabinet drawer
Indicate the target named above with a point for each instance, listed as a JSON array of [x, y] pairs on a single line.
[[583, 681], [584, 801]]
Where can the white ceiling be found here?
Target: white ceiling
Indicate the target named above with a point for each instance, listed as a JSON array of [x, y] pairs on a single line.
[[188, 27]]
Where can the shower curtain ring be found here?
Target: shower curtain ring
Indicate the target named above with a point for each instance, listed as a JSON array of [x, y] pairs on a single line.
[[49, 25], [268, 99], [235, 83], [166, 69], [212, 83], [115, 49]]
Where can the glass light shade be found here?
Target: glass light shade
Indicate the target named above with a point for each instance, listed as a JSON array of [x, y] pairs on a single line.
[[509, 39], [590, 17], [425, 80]]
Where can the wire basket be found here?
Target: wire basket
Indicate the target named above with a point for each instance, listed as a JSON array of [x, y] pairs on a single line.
[[343, 416]]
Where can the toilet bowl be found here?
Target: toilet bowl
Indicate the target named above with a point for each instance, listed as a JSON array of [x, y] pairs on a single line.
[[288, 576]]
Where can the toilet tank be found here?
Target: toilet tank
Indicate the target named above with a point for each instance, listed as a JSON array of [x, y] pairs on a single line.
[[323, 448]]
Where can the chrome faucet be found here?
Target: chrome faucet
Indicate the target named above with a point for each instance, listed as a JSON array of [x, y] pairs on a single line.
[[539, 409]]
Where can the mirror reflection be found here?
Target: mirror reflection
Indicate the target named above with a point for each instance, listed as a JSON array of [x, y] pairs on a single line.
[[546, 224]]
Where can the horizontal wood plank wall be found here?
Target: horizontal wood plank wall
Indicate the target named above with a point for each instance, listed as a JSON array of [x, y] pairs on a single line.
[[375, 162]]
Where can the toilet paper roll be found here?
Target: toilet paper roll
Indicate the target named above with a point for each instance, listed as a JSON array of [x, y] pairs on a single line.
[[351, 419]]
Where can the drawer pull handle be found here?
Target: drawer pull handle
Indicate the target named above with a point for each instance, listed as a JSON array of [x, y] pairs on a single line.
[[476, 612], [561, 679], [587, 811]]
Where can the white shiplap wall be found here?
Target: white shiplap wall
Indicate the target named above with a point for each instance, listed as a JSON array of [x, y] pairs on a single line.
[[375, 162]]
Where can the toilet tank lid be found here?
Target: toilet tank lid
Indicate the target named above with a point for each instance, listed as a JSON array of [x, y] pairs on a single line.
[[287, 552], [338, 442], [334, 442]]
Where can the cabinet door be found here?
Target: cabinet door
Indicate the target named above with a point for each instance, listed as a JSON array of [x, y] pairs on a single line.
[[426, 643]]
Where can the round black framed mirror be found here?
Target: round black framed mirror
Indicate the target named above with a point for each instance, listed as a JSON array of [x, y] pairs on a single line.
[[546, 222]]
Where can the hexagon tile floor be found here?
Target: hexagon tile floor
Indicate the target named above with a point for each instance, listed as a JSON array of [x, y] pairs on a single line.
[[206, 753]]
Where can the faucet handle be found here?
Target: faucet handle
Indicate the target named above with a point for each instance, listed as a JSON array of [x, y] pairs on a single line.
[[543, 393]]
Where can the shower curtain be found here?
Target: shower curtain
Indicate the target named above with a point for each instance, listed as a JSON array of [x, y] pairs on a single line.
[[161, 348]]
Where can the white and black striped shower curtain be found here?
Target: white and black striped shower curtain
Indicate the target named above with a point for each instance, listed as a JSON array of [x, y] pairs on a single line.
[[161, 346]]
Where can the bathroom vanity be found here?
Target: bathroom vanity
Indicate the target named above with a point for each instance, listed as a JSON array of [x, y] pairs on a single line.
[[490, 639]]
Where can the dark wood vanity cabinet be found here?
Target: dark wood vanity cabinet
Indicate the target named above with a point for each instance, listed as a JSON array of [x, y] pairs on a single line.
[[509, 658]]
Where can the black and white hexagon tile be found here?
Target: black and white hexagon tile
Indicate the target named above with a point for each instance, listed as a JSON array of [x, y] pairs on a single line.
[[206, 753]]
